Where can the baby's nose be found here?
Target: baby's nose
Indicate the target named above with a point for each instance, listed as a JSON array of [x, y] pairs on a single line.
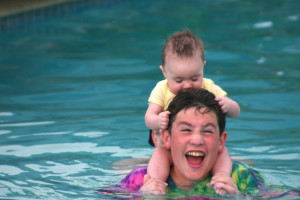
[[187, 85]]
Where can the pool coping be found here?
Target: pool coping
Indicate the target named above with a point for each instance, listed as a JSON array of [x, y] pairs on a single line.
[[10, 8], [18, 17]]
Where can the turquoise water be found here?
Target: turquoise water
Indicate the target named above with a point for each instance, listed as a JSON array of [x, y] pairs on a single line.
[[74, 90]]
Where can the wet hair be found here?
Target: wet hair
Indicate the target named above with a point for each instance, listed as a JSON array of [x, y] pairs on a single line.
[[184, 45], [199, 99]]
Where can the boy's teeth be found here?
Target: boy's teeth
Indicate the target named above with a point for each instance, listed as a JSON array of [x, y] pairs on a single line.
[[195, 154]]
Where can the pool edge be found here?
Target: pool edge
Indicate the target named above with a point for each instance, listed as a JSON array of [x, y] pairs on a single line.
[[9, 8]]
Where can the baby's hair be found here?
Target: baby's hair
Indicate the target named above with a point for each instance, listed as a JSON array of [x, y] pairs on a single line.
[[184, 45]]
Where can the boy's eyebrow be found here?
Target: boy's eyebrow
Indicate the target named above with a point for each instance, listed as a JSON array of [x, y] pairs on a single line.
[[205, 126], [210, 124], [185, 123]]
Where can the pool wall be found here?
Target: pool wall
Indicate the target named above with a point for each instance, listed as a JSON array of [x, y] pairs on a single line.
[[20, 13]]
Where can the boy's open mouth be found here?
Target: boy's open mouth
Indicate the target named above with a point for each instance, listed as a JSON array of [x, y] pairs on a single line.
[[195, 158]]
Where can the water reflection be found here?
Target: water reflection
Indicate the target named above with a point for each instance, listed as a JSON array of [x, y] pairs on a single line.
[[74, 90]]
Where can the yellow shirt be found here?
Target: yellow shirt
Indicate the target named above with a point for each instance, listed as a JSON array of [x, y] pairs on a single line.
[[162, 96]]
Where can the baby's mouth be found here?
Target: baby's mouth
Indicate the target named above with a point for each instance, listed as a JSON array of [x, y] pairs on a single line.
[[195, 158]]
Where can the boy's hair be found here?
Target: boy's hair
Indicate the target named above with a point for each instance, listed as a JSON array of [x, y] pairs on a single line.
[[198, 99], [184, 45]]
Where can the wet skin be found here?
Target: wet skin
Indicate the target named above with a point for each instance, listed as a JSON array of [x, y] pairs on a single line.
[[195, 143]]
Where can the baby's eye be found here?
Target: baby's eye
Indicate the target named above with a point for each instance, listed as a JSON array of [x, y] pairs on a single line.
[[195, 78], [178, 81]]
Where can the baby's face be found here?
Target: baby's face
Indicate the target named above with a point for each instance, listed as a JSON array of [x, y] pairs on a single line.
[[183, 73]]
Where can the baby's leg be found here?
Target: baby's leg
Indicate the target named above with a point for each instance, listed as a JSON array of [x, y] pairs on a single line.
[[223, 163], [221, 171], [159, 164]]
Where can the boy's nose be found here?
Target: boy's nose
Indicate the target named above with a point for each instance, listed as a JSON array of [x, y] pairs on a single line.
[[196, 139]]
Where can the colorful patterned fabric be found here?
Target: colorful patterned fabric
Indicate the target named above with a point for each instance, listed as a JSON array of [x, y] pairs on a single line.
[[248, 181], [134, 180]]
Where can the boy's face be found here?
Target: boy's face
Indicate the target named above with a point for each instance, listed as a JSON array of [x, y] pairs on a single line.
[[183, 73], [195, 143]]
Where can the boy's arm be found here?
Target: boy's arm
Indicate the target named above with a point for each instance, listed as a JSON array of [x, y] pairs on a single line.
[[229, 106], [155, 119]]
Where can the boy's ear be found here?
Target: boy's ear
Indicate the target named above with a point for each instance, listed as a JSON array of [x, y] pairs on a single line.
[[163, 70], [157, 141], [166, 137], [223, 138]]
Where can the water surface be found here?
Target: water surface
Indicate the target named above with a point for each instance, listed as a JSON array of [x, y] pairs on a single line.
[[74, 90]]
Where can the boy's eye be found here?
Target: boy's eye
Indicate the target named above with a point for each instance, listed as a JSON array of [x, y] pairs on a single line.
[[186, 130], [208, 131]]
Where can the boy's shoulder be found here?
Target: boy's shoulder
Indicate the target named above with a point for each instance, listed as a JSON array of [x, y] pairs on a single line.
[[135, 178], [245, 177]]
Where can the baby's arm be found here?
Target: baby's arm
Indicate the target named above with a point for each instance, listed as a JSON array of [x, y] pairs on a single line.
[[155, 118], [159, 164], [229, 106]]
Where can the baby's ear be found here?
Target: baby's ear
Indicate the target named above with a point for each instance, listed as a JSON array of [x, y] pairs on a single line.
[[163, 70], [166, 137]]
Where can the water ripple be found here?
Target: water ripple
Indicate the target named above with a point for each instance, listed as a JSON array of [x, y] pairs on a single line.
[[28, 151], [27, 124], [8, 114], [266, 24], [2, 132], [10, 170], [91, 134]]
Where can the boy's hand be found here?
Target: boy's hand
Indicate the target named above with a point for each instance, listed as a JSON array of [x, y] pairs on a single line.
[[153, 185], [164, 119], [223, 184]]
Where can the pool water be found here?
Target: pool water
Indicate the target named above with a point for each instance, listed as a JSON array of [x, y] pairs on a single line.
[[74, 90]]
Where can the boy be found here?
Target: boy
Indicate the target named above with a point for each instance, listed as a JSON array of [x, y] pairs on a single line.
[[182, 66]]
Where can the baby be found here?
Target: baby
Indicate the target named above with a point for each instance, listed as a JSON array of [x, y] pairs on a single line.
[[182, 66]]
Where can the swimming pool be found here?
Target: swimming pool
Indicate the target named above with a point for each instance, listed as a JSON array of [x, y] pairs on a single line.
[[74, 89]]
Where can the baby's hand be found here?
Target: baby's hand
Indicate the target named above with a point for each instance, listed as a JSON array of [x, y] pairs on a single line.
[[225, 103], [164, 119], [153, 185], [223, 184]]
